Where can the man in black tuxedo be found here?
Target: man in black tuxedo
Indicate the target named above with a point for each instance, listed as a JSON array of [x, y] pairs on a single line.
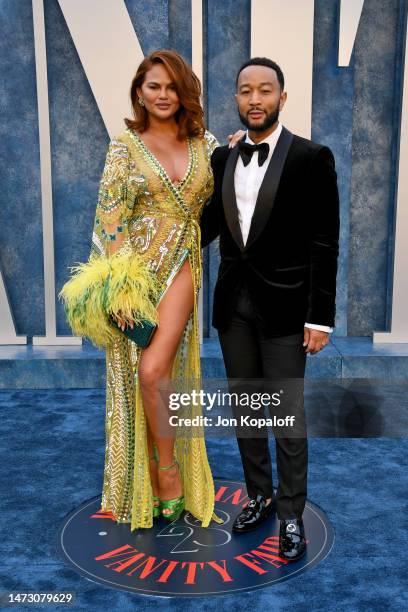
[[276, 210]]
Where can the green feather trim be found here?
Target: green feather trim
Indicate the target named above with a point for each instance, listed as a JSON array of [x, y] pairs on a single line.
[[104, 286]]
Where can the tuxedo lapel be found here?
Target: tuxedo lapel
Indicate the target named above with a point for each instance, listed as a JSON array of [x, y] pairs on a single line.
[[229, 199], [269, 186]]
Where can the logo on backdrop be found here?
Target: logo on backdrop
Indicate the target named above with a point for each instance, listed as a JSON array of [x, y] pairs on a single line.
[[183, 559]]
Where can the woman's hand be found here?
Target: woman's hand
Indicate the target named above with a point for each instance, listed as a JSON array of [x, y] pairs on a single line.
[[234, 138], [121, 322]]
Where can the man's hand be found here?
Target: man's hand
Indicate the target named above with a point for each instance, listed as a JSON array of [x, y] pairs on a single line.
[[314, 340]]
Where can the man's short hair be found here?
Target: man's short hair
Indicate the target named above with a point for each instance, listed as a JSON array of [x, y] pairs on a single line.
[[263, 61]]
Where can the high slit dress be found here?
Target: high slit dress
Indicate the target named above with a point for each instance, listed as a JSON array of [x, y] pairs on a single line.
[[154, 222]]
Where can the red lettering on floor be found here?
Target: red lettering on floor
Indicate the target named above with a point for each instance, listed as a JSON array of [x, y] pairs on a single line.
[[221, 570], [252, 564]]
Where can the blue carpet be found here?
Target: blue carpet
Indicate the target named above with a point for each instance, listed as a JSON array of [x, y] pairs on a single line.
[[52, 460]]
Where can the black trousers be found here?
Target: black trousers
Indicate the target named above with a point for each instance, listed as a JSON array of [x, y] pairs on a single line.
[[249, 355]]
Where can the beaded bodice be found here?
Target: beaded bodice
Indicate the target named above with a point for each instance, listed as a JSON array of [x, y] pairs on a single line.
[[140, 209]]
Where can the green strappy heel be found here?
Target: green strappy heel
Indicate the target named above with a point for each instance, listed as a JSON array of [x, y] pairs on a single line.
[[176, 505], [156, 499]]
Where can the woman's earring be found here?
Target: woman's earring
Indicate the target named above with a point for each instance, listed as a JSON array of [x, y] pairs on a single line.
[[141, 102]]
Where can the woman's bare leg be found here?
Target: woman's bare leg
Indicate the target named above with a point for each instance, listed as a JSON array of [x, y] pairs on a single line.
[[155, 367], [153, 464]]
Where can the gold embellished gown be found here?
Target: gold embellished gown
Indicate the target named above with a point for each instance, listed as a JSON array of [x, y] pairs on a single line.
[[151, 221]]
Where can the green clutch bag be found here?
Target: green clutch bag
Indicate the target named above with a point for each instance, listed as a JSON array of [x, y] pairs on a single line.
[[141, 334]]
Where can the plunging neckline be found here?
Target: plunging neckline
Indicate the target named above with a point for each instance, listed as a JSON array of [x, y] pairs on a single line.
[[178, 184]]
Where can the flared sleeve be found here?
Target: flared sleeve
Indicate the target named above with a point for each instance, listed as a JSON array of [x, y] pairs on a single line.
[[115, 278], [115, 203]]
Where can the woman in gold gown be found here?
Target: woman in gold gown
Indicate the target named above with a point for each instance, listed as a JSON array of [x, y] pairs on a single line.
[[156, 180]]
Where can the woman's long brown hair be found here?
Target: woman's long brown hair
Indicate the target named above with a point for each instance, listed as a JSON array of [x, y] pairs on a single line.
[[190, 116]]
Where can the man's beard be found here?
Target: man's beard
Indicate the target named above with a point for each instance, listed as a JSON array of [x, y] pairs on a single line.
[[261, 127]]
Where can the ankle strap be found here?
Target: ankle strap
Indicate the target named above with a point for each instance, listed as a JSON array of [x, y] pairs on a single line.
[[167, 467]]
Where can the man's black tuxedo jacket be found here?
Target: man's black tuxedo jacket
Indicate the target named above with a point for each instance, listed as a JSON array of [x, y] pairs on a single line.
[[289, 262]]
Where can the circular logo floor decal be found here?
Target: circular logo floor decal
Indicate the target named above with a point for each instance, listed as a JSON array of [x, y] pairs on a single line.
[[183, 559]]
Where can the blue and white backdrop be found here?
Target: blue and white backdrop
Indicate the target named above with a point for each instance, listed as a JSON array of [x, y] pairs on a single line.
[[66, 69]]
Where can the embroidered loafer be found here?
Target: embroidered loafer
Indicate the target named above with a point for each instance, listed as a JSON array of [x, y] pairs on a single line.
[[292, 539], [253, 514]]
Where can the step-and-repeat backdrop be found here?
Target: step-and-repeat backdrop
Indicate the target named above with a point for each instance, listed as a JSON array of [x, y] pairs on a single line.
[[66, 68]]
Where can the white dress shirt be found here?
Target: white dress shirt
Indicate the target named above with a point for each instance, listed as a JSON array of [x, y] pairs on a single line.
[[247, 181]]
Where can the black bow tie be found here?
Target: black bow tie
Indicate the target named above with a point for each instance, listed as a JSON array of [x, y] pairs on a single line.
[[246, 151]]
